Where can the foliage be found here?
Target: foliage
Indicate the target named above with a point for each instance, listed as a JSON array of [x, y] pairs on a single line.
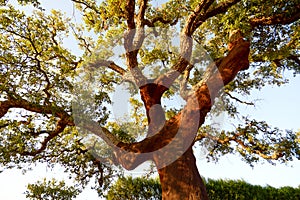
[[241, 190], [37, 73], [135, 189], [51, 190]]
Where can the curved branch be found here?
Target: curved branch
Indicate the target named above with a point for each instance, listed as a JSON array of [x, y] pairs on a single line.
[[61, 125], [4, 107], [65, 120], [193, 22], [192, 18], [33, 107], [238, 100], [219, 9], [278, 61], [110, 65], [92, 7], [285, 17], [229, 66], [102, 132]]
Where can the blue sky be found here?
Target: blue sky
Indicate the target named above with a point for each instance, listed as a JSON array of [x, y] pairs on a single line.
[[278, 106]]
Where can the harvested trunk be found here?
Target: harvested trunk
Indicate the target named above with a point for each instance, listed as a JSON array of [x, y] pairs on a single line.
[[181, 179]]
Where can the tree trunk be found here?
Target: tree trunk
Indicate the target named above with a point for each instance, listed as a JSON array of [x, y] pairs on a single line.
[[181, 179]]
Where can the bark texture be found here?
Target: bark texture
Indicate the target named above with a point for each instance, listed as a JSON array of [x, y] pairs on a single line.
[[181, 179]]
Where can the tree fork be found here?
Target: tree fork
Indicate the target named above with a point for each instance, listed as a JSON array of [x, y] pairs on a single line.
[[151, 96], [188, 185]]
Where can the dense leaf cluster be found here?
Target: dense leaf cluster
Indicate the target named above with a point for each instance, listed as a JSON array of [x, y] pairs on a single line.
[[51, 190], [135, 188]]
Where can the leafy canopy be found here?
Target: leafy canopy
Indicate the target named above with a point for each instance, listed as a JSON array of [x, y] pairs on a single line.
[[51, 190], [37, 70]]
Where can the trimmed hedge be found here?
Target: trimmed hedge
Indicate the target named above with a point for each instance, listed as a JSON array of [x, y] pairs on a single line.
[[241, 190]]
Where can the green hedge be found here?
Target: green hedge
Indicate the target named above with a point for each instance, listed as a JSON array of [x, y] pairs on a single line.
[[240, 190], [147, 189]]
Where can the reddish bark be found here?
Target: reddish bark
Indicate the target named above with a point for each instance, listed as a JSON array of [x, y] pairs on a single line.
[[181, 179]]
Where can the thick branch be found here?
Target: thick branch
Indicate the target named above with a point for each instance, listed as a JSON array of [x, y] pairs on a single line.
[[33, 107], [132, 63], [219, 9], [102, 132], [110, 65], [189, 27], [193, 22], [141, 14], [286, 17], [4, 107], [133, 40], [277, 61], [205, 93], [65, 120], [188, 120], [294, 58], [130, 7]]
